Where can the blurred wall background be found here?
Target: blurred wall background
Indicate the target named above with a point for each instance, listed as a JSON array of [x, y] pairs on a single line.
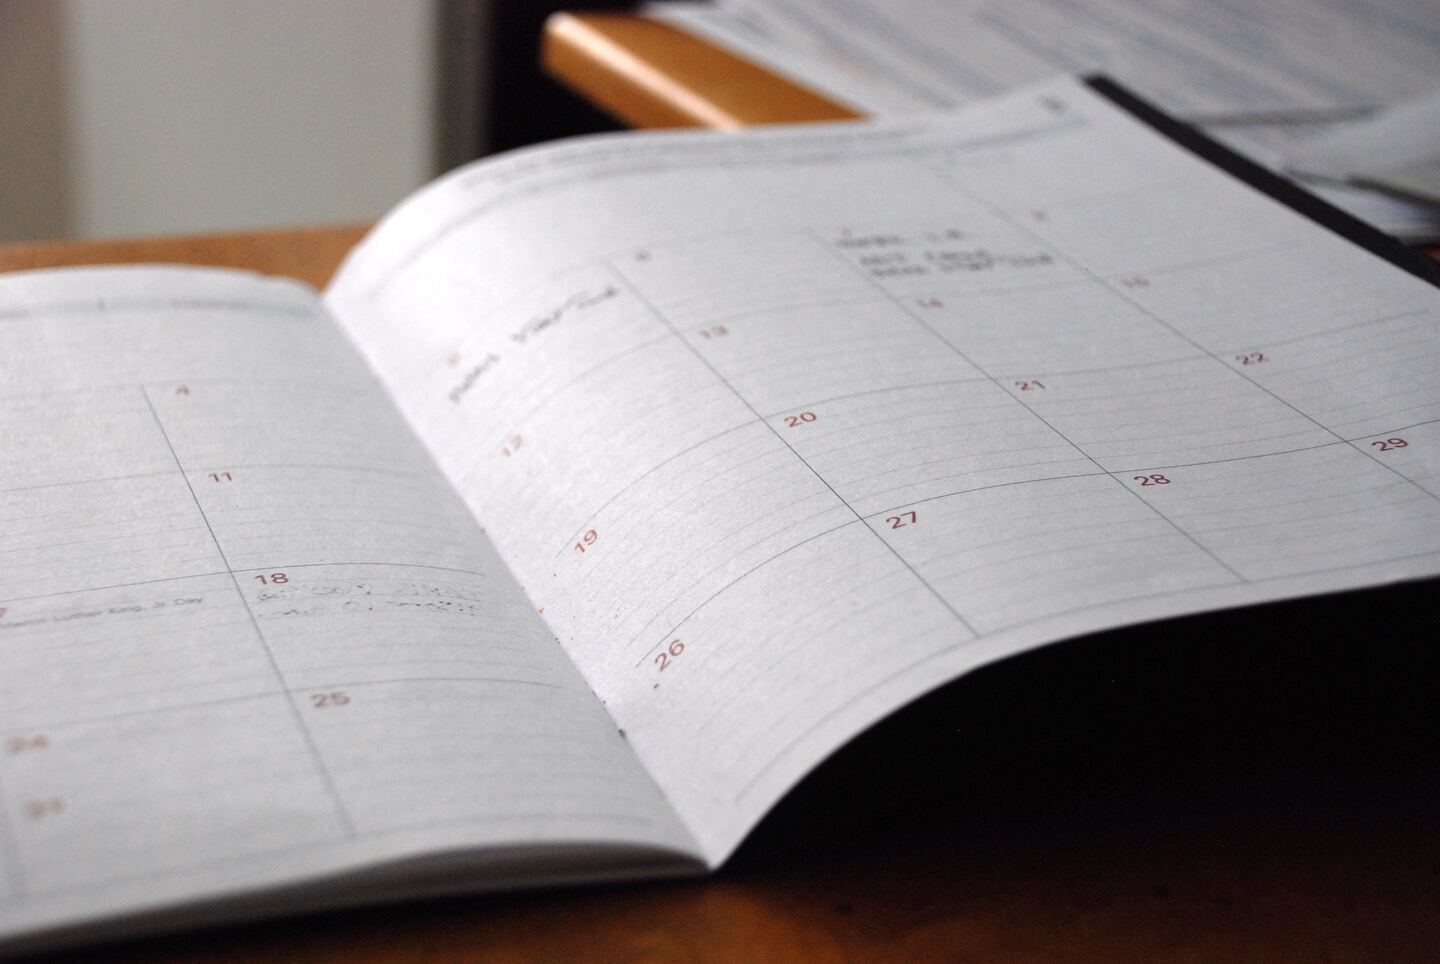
[[133, 117], [140, 117]]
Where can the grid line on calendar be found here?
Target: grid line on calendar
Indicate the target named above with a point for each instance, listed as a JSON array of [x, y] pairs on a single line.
[[1351, 326], [60, 724], [937, 654], [941, 289], [1135, 303], [808, 403], [1009, 626], [659, 316], [926, 326], [222, 572], [889, 296], [1200, 353], [320, 765]]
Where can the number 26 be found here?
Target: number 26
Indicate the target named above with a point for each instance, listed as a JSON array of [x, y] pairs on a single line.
[[669, 653]]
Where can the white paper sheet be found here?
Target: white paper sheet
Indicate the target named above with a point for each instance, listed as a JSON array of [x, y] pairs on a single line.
[[1282, 69], [784, 429], [249, 638]]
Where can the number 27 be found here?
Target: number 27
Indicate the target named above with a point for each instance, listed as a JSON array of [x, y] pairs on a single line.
[[902, 520]]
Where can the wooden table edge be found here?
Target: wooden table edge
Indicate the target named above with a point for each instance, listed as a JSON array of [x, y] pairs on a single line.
[[651, 74], [309, 254]]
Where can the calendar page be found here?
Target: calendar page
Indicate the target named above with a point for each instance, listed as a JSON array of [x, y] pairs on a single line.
[[781, 430], [249, 636], [665, 465]]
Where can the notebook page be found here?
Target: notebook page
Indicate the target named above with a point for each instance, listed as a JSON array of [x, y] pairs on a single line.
[[1291, 58], [248, 635], [783, 429], [1253, 77]]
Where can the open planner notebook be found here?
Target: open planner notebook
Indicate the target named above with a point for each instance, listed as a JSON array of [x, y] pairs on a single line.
[[612, 485]]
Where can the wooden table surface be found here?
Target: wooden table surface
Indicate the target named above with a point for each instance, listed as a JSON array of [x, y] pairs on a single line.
[[309, 254], [1265, 795], [650, 74]]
